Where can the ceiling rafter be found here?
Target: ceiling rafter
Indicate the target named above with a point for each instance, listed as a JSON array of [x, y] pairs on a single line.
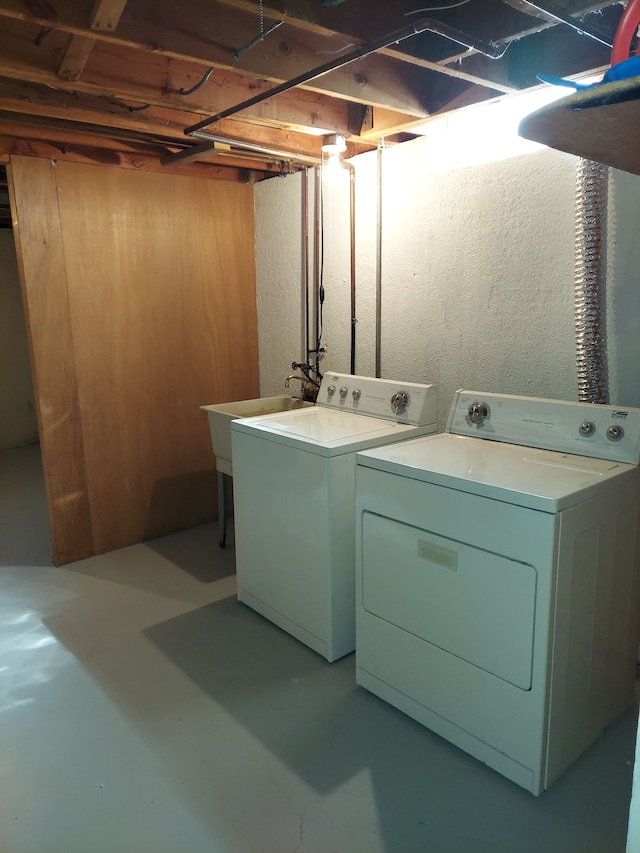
[[104, 16], [93, 64], [158, 82], [185, 32]]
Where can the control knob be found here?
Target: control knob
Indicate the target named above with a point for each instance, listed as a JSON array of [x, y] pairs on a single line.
[[615, 433], [331, 390], [399, 402], [344, 391], [478, 413], [356, 394], [587, 428]]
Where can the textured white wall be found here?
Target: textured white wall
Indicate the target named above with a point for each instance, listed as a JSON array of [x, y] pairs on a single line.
[[477, 275], [280, 273], [623, 289], [17, 411]]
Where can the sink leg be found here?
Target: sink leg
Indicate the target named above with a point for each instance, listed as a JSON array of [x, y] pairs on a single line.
[[222, 507]]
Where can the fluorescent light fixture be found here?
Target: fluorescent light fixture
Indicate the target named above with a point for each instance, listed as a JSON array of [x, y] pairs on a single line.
[[485, 132]]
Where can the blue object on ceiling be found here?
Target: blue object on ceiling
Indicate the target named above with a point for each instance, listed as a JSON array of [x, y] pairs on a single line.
[[620, 71]]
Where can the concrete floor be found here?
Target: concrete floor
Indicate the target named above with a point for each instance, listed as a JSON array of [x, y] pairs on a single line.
[[144, 710]]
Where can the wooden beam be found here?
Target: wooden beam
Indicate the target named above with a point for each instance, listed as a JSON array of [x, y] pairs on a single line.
[[75, 57], [207, 32], [106, 14], [68, 134], [189, 155], [99, 114], [84, 150], [381, 123], [495, 21], [362, 20], [143, 77], [193, 30]]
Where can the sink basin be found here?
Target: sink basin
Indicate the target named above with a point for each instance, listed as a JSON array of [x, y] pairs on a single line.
[[221, 414]]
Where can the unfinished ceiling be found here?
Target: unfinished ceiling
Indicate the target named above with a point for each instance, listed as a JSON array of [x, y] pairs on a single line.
[[120, 81]]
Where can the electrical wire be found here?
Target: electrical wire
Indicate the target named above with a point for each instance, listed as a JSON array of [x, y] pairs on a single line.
[[437, 8], [334, 52], [200, 82], [260, 37]]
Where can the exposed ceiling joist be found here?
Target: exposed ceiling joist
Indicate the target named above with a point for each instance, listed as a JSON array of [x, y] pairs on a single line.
[[105, 16], [156, 67]]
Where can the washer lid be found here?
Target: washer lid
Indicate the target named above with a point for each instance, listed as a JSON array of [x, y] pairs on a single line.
[[540, 479], [326, 431]]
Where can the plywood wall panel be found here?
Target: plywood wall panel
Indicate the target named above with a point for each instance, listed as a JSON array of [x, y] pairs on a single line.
[[42, 271], [160, 283], [164, 318], [18, 424]]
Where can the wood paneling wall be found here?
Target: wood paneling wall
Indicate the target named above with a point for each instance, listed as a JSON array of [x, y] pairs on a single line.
[[18, 424], [139, 292]]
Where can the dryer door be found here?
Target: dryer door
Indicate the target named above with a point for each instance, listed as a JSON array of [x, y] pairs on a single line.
[[470, 602]]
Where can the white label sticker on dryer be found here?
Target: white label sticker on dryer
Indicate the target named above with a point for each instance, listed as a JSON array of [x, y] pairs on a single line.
[[433, 553]]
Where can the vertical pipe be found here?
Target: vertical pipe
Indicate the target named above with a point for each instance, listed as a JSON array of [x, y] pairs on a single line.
[[589, 283], [352, 250], [379, 260], [317, 264], [305, 226]]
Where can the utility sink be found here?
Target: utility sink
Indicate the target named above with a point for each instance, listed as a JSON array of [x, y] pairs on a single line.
[[221, 414]]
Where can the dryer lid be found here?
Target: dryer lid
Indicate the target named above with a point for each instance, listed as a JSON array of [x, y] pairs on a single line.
[[540, 479]]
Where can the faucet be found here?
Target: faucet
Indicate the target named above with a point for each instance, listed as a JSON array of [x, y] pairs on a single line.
[[294, 376], [309, 391], [304, 385]]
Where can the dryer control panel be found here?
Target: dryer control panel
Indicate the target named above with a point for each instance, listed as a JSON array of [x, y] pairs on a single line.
[[402, 402], [585, 429]]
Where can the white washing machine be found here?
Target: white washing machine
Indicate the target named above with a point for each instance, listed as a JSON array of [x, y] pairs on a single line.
[[497, 578], [294, 501]]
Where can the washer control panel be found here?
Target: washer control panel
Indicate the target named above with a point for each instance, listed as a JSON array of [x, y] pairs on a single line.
[[585, 429], [404, 402]]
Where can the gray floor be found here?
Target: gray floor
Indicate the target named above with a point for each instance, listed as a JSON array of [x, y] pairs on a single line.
[[143, 709]]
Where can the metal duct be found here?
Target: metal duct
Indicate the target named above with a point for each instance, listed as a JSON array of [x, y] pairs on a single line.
[[591, 188]]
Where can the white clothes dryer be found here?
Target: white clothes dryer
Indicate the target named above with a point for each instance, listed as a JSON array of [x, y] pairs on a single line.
[[497, 578], [294, 498]]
